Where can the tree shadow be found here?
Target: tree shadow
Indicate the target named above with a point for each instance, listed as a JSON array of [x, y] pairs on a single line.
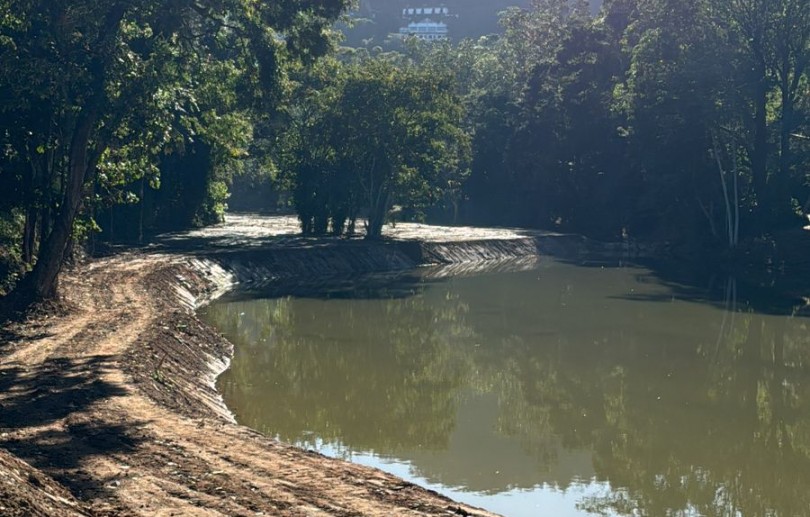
[[767, 292], [19, 314], [71, 393], [710, 286], [11, 333], [7, 335], [211, 239]]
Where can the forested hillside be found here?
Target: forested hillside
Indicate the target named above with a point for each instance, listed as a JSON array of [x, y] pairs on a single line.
[[664, 121]]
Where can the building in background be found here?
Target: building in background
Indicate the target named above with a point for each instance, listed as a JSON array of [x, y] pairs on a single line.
[[380, 23], [425, 23]]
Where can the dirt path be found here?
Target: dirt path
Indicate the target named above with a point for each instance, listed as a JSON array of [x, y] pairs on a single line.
[[113, 401]]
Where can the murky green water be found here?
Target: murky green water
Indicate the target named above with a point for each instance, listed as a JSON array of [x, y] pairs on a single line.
[[556, 391]]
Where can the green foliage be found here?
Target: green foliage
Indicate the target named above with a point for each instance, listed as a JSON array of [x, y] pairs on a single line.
[[658, 119], [370, 134], [98, 97], [662, 120], [213, 210], [11, 260]]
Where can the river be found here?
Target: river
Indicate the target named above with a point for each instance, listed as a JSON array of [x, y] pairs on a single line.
[[554, 389]]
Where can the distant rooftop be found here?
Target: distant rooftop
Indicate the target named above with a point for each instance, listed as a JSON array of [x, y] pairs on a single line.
[[420, 11]]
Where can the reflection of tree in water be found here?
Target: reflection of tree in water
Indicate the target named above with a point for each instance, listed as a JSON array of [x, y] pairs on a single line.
[[732, 436], [520, 417], [363, 372], [707, 414], [713, 418]]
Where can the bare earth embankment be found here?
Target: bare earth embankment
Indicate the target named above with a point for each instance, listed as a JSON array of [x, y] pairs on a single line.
[[111, 405]]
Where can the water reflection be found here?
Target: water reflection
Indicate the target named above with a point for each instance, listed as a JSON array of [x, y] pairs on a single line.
[[540, 380], [378, 374]]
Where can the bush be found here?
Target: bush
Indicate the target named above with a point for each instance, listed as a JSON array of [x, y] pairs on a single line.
[[11, 262]]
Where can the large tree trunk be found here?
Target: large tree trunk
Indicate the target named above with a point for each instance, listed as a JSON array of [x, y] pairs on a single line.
[[42, 282], [30, 225]]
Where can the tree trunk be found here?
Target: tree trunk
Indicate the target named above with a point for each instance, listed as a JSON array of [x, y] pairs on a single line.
[[42, 282], [376, 216], [29, 235], [45, 218], [759, 155], [782, 187], [30, 202], [140, 214], [51, 176]]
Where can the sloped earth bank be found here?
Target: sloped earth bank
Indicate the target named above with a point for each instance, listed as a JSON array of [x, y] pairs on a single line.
[[114, 401], [112, 407], [25, 491]]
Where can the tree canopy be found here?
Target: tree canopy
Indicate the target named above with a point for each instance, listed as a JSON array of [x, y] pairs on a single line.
[[376, 133], [659, 120], [95, 93], [682, 123]]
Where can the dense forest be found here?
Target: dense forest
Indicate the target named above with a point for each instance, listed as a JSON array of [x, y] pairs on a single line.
[[682, 122]]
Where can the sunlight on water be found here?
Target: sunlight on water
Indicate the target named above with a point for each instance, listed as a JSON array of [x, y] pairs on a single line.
[[543, 499]]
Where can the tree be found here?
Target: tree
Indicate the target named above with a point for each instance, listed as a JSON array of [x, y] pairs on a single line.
[[389, 133], [546, 150], [86, 66], [772, 41], [671, 98]]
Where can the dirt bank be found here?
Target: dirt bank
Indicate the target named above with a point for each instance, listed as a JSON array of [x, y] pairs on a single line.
[[109, 409], [114, 401]]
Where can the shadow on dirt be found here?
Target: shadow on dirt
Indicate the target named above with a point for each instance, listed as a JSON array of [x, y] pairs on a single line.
[[9, 334], [60, 388]]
